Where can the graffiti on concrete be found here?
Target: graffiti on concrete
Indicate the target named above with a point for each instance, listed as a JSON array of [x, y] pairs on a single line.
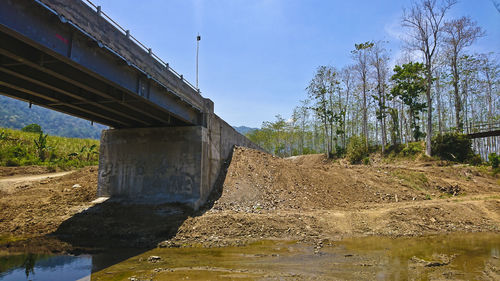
[[172, 178], [132, 177]]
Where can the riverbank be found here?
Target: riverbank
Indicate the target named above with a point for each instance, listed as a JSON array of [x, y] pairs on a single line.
[[304, 198]]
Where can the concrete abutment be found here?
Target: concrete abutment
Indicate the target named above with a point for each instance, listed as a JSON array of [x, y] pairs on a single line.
[[168, 164]]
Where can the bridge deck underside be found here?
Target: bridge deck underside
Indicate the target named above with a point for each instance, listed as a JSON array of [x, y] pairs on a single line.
[[55, 65], [29, 74]]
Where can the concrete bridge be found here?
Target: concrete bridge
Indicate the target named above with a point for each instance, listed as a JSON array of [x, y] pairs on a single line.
[[166, 144]]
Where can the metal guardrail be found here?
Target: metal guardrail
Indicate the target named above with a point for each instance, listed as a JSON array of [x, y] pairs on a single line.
[[485, 125], [126, 32], [482, 127], [478, 128]]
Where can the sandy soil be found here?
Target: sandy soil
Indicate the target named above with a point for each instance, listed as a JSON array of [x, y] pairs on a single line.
[[32, 205], [310, 198], [305, 198], [24, 170]]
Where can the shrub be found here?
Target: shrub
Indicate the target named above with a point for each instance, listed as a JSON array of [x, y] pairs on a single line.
[[12, 162], [339, 151], [452, 147], [494, 160], [32, 128], [4, 136], [475, 160], [307, 150], [393, 150], [41, 145], [17, 151], [28, 162], [413, 148], [366, 161], [356, 149]]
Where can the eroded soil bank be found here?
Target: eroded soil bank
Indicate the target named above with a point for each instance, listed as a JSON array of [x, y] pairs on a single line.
[[304, 198], [309, 198]]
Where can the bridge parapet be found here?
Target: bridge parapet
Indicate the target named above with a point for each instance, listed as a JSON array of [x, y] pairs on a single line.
[[119, 40], [480, 130]]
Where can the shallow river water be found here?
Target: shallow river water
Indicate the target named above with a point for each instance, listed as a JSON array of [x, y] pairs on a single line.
[[441, 257]]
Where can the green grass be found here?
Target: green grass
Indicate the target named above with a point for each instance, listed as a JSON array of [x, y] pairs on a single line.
[[18, 148]]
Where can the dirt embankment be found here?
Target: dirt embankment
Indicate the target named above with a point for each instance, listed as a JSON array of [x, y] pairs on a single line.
[[25, 170], [31, 205], [304, 198], [310, 198]]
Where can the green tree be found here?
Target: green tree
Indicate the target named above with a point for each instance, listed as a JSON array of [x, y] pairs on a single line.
[[279, 129], [409, 85], [395, 132], [32, 128], [322, 89]]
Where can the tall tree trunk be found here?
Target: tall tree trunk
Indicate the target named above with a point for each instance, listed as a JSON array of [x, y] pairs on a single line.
[[459, 125], [490, 107], [401, 112], [365, 114], [465, 105], [438, 96], [428, 136], [383, 125]]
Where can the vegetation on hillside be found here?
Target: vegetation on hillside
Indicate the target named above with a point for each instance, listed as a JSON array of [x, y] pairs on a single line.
[[18, 148], [434, 93], [16, 114]]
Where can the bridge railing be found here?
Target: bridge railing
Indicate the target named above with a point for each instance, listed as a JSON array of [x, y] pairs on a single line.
[[126, 32], [477, 128], [482, 127]]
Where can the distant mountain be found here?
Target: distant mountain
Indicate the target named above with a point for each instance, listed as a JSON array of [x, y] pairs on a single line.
[[244, 129], [16, 114]]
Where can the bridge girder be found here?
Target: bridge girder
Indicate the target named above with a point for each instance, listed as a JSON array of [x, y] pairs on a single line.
[[56, 65]]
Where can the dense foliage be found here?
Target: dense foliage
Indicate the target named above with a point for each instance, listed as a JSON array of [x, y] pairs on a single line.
[[494, 160], [32, 128], [409, 85], [453, 147], [19, 148], [356, 150]]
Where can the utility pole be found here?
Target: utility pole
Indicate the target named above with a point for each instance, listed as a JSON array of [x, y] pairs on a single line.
[[198, 38]]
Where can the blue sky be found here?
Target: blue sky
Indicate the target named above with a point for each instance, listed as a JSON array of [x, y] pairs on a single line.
[[257, 56]]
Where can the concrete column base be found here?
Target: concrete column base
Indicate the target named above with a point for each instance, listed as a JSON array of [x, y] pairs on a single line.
[[155, 165], [170, 164]]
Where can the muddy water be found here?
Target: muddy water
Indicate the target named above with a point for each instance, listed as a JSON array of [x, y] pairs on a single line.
[[442, 257]]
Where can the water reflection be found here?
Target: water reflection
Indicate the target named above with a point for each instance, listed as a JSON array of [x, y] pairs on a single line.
[[45, 267], [458, 256]]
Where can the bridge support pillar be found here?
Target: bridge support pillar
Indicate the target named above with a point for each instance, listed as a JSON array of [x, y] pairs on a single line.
[[155, 165], [169, 164]]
